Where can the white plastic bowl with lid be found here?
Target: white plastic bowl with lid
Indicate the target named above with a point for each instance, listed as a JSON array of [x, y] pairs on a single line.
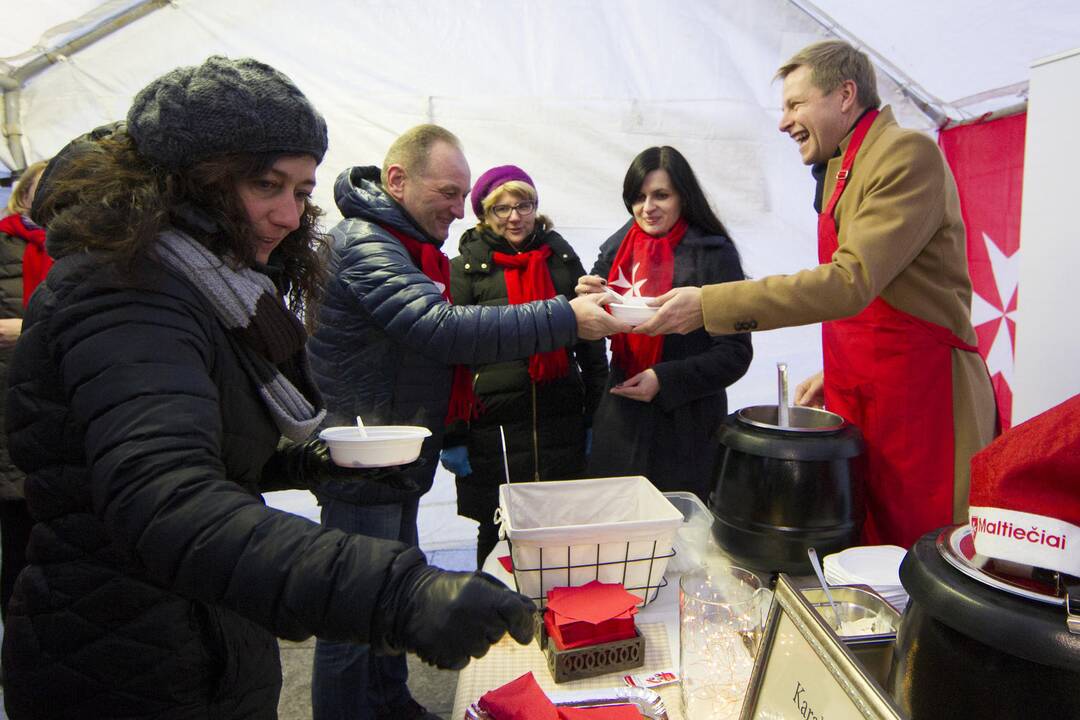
[[370, 447]]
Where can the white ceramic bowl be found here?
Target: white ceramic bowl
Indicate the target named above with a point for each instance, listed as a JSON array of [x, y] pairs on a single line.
[[384, 445], [633, 310]]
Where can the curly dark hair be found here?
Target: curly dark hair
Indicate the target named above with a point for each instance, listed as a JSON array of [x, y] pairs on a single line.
[[101, 195]]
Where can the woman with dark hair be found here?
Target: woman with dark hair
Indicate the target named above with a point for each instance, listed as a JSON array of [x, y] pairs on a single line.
[[542, 404], [159, 386], [666, 395]]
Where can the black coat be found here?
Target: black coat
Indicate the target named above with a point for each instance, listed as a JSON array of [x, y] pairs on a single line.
[[157, 577], [387, 340], [544, 424], [671, 439], [11, 293]]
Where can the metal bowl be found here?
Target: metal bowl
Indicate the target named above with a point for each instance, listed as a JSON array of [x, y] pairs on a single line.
[[801, 419]]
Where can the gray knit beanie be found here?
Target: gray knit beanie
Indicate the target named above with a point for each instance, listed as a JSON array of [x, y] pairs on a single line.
[[221, 107]]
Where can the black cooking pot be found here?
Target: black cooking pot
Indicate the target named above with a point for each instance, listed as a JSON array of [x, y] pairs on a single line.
[[968, 650], [781, 490]]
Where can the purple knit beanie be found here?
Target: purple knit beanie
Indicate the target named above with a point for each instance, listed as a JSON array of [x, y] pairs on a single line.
[[492, 179]]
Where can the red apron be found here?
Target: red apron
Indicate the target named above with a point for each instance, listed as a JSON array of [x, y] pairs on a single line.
[[890, 374]]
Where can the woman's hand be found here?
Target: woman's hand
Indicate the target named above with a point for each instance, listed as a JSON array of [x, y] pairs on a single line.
[[588, 284], [643, 387], [811, 391], [10, 329]]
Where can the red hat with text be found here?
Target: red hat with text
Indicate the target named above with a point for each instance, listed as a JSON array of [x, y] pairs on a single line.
[[1025, 492]]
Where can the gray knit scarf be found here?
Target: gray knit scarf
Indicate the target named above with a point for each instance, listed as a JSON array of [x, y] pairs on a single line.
[[247, 303]]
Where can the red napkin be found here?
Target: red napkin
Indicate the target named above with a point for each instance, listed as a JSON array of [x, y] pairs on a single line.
[[522, 699], [590, 614]]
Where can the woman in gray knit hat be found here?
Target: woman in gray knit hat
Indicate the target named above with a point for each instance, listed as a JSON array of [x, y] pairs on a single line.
[[159, 386]]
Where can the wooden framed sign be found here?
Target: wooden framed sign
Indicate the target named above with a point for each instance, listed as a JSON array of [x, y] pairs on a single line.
[[803, 671]]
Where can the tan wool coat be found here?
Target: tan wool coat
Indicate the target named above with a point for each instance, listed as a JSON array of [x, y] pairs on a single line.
[[900, 237]]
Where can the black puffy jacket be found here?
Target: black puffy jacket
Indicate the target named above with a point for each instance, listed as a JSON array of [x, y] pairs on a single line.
[[387, 340], [157, 577], [671, 440], [544, 424], [11, 292]]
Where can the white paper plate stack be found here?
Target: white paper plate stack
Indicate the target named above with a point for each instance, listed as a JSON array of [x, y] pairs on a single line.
[[875, 565]]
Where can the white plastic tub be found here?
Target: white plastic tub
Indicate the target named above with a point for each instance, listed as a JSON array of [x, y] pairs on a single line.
[[570, 532], [381, 446]]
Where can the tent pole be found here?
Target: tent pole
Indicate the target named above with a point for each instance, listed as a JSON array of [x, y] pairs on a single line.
[[13, 128], [45, 59], [931, 106], [13, 83]]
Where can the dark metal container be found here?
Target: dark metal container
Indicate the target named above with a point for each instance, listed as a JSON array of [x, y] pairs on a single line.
[[780, 490], [968, 650]]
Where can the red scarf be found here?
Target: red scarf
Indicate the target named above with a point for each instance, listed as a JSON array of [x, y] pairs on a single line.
[[35, 262], [528, 278], [433, 263], [644, 267]]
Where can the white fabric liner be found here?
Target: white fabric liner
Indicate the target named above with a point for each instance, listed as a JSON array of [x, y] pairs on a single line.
[[571, 532]]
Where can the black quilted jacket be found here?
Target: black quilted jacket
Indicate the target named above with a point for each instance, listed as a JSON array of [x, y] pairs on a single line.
[[158, 578], [387, 341]]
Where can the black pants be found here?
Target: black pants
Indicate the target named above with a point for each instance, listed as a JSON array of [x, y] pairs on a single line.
[[15, 524]]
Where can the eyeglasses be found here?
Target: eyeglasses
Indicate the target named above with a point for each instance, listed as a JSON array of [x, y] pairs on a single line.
[[503, 211]]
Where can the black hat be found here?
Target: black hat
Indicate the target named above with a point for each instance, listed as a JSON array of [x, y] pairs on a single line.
[[223, 106]]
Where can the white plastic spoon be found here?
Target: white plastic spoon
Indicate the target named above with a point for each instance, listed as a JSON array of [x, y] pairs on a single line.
[[360, 427]]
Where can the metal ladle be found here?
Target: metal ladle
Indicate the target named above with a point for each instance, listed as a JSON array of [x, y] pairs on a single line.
[[812, 554], [782, 418]]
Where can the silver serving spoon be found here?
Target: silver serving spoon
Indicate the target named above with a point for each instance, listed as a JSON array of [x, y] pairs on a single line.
[[812, 554]]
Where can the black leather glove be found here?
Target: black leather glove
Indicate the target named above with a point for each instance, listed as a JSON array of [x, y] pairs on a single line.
[[306, 465], [447, 617]]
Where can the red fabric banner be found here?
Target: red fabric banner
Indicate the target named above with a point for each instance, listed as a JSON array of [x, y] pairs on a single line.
[[987, 160]]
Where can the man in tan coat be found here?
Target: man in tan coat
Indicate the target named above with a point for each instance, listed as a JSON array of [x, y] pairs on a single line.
[[892, 290]]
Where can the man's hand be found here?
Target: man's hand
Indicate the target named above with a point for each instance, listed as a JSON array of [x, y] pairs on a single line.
[[811, 391], [593, 322], [680, 312], [10, 329], [643, 387], [589, 284]]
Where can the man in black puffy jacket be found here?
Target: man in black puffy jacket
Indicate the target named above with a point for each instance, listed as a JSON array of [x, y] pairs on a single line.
[[392, 349]]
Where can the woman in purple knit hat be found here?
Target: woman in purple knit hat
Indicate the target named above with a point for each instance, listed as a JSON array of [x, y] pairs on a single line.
[[545, 402]]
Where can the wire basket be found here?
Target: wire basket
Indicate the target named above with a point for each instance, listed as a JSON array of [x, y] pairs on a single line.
[[571, 532]]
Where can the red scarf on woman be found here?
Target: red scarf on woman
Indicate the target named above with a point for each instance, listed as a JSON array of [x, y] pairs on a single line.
[[35, 262], [644, 267], [528, 278], [433, 263]]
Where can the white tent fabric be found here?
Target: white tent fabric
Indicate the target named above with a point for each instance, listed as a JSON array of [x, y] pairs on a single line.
[[569, 89]]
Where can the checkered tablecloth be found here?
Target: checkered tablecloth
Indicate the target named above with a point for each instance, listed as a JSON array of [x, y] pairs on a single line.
[[507, 661]]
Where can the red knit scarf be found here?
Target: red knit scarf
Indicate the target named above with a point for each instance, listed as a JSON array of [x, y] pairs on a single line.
[[433, 263], [35, 262], [528, 278], [644, 267]]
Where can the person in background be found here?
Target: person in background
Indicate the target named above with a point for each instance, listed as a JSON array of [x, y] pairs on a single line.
[[23, 265], [391, 348], [892, 290], [159, 386], [543, 404], [667, 394]]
